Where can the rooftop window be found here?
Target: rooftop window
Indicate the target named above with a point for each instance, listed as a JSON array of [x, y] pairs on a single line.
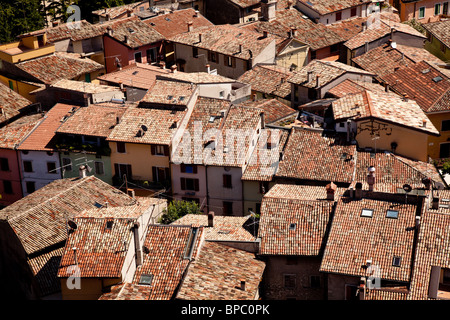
[[146, 279], [396, 261], [392, 214], [367, 213], [292, 226]]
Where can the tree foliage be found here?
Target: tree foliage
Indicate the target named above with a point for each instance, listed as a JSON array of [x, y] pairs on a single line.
[[177, 209], [18, 17]]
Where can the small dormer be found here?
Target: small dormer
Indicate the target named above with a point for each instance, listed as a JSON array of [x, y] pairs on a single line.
[[34, 41]]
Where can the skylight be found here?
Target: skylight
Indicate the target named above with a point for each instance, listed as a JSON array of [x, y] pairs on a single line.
[[392, 214], [396, 261], [367, 213], [146, 279], [292, 226], [437, 79]]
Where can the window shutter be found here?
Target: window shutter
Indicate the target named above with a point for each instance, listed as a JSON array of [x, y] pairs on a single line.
[[183, 167], [194, 167], [183, 183], [196, 187], [129, 172], [166, 151], [116, 169], [153, 149], [225, 180]]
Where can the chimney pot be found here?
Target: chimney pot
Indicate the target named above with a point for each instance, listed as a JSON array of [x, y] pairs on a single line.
[[174, 68], [190, 26], [82, 171], [331, 190]]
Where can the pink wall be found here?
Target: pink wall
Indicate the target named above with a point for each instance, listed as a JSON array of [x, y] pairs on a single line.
[[114, 48], [411, 10], [12, 175]]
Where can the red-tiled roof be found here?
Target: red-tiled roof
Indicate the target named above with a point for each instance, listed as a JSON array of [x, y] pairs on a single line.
[[309, 155], [12, 134], [274, 109], [268, 79], [42, 135], [177, 21], [328, 6], [217, 274], [354, 239], [440, 30], [11, 103]]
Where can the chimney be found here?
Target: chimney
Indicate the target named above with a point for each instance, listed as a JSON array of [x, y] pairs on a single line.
[[331, 190], [435, 203], [174, 68], [196, 13], [351, 192], [362, 288], [211, 219], [293, 32], [364, 26], [317, 81], [405, 97], [129, 13], [424, 123], [265, 34], [417, 222], [208, 68], [242, 287], [371, 177], [109, 31], [163, 65], [358, 191], [392, 32], [108, 17], [310, 76], [131, 193], [290, 4], [386, 87], [268, 9], [366, 46], [75, 255], [137, 245], [199, 38], [82, 171], [126, 40], [240, 48], [190, 26]]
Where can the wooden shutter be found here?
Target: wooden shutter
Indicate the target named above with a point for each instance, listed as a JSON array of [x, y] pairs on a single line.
[[196, 185], [183, 183], [194, 168], [166, 151], [183, 167], [154, 174], [129, 172], [153, 149]]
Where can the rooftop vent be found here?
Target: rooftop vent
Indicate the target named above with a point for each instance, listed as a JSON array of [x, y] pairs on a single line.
[[437, 79]]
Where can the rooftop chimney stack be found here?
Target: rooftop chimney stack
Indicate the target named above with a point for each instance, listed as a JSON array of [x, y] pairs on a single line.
[[190, 26], [82, 170], [174, 68], [211, 219], [265, 34], [310, 76], [268, 9], [331, 190], [242, 287], [435, 203], [75, 255], [317, 81], [371, 177], [358, 191]]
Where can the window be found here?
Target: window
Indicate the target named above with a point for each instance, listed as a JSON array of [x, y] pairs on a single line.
[[445, 8], [27, 166], [314, 281], [213, 57], [51, 167], [353, 12], [443, 48], [189, 184], [146, 279], [227, 181], [7, 187], [151, 55], [188, 168], [421, 12], [289, 281], [393, 214], [160, 174], [120, 147], [227, 208], [367, 213], [159, 150], [396, 261], [437, 9], [312, 94], [138, 57], [67, 164], [87, 77], [31, 186], [123, 169], [292, 226], [99, 169], [444, 151], [4, 164], [230, 61], [445, 125], [338, 16], [109, 224], [11, 85], [263, 187]]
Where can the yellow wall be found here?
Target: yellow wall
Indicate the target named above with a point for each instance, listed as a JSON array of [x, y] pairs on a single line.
[[21, 88], [140, 158], [26, 55], [252, 196], [90, 288], [294, 54], [434, 142], [411, 143]]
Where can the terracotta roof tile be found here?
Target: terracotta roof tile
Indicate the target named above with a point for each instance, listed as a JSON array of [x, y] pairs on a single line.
[[169, 92], [41, 137], [176, 22], [52, 204], [274, 109], [322, 158], [11, 103], [294, 220], [96, 120], [225, 228], [440, 30], [328, 6], [217, 274], [349, 86], [14, 133], [354, 239]]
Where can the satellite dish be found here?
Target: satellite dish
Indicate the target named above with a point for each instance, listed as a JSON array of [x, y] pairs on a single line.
[[72, 224], [407, 188]]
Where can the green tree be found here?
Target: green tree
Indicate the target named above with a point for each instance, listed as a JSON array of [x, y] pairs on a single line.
[[446, 167], [18, 17], [177, 209]]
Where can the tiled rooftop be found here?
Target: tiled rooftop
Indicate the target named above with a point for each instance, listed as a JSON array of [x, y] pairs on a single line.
[[349, 86], [440, 30], [100, 251], [423, 83], [273, 109], [263, 163], [327, 70], [170, 92], [85, 87], [315, 35], [95, 120], [347, 29], [40, 139], [158, 122], [269, 80], [138, 75], [328, 6], [294, 220], [217, 274], [195, 77], [354, 239], [308, 155], [379, 30], [225, 39], [166, 262], [115, 12], [13, 133], [52, 204], [384, 106], [136, 32], [177, 21], [382, 60], [225, 228], [11, 103], [49, 69]]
